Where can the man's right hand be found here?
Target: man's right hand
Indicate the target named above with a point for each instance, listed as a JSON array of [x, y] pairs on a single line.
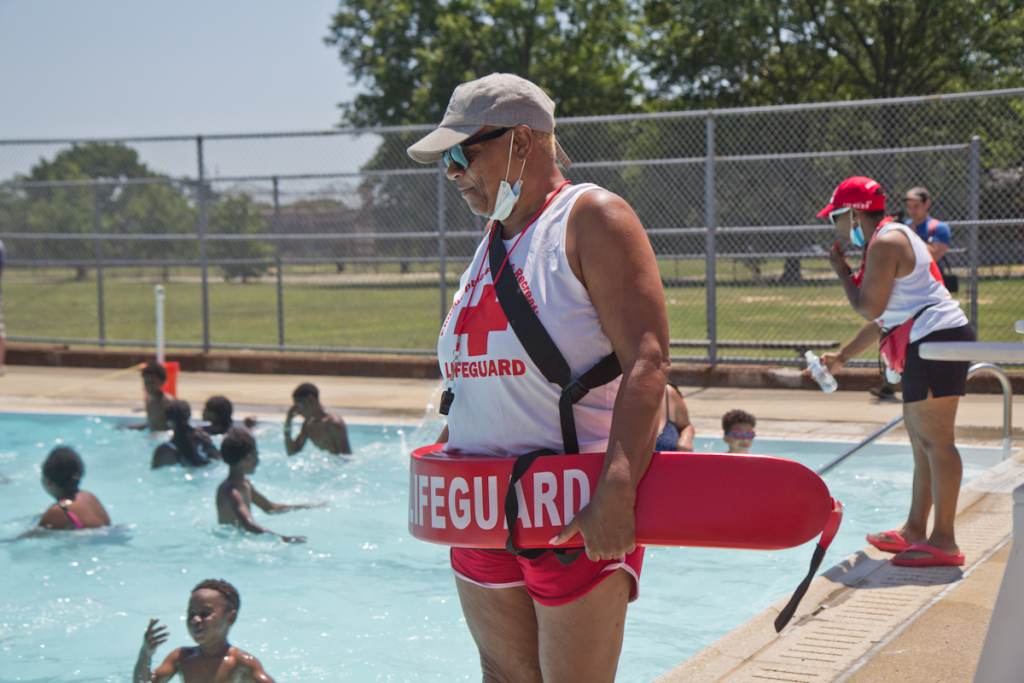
[[292, 412], [156, 635]]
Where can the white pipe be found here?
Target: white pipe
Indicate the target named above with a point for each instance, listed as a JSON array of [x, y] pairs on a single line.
[[159, 290], [1002, 657]]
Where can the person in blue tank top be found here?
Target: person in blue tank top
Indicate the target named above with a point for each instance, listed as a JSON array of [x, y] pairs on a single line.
[[935, 233]]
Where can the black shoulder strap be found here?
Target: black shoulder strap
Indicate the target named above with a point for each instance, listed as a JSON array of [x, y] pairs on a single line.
[[542, 349]]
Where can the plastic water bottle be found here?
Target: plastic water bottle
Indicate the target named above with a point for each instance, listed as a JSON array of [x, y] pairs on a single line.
[[820, 373]]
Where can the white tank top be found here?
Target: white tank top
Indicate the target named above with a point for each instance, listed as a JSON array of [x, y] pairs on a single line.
[[921, 287], [503, 404]]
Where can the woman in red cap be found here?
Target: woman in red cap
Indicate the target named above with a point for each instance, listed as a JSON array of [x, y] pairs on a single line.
[[898, 289]]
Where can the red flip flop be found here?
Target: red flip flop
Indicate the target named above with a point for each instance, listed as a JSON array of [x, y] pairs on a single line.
[[897, 544], [936, 558]]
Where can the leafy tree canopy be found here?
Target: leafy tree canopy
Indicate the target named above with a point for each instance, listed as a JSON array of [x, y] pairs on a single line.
[[410, 54], [628, 55]]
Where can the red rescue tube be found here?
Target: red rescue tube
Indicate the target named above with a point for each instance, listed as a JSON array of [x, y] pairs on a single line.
[[685, 499]]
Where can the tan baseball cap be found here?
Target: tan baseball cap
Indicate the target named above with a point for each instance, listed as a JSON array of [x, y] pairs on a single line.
[[503, 100]]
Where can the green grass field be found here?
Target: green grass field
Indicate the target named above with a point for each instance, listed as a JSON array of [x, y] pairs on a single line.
[[325, 309]]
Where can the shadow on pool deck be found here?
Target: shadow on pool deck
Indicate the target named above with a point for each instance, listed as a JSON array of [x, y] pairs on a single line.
[[863, 620]]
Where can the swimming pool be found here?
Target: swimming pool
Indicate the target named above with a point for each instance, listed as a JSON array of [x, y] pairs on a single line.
[[362, 600]]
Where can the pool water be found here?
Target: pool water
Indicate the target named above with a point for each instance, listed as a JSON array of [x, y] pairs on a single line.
[[362, 600]]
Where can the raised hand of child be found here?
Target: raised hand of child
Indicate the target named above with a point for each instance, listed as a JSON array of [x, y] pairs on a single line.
[[156, 635]]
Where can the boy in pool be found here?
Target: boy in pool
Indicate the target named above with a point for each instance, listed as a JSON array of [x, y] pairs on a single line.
[[218, 415], [157, 402], [325, 430], [236, 494], [188, 446], [75, 509], [738, 430], [212, 610]]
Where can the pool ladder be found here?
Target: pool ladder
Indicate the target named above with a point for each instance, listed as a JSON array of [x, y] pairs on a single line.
[[1004, 381]]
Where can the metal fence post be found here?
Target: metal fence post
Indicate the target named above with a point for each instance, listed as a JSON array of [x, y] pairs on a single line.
[[203, 257], [97, 228], [973, 213], [442, 251], [277, 261], [710, 220]]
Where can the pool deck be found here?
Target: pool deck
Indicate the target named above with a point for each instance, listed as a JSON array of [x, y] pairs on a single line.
[[863, 620]]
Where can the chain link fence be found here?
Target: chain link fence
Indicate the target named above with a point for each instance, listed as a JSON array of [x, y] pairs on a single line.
[[335, 241]]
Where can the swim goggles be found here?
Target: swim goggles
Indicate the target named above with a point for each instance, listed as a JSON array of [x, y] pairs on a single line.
[[743, 436], [456, 155]]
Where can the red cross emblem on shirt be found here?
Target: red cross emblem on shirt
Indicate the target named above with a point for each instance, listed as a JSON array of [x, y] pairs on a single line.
[[480, 320]]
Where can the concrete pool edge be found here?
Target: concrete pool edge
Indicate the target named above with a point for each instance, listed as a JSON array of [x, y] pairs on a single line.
[[840, 626]]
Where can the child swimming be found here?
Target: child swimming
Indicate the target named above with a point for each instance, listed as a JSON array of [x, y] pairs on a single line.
[[738, 431], [212, 610], [157, 402], [188, 446], [236, 494], [218, 416], [75, 509]]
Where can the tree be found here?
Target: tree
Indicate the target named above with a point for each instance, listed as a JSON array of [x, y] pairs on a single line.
[[410, 54], [151, 203], [240, 215], [721, 53]]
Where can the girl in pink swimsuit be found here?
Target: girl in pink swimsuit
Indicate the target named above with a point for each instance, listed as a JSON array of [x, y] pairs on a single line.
[[74, 509]]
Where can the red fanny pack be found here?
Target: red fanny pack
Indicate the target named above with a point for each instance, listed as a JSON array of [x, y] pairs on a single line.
[[894, 342]]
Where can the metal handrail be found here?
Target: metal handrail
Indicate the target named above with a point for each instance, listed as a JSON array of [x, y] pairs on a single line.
[[1004, 381], [867, 440]]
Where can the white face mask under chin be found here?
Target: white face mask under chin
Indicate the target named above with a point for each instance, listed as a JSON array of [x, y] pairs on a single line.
[[508, 195]]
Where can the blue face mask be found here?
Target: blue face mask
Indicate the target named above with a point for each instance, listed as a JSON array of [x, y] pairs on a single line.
[[508, 195], [857, 236]]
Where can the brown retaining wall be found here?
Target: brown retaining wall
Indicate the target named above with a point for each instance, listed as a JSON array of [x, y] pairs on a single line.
[[425, 367]]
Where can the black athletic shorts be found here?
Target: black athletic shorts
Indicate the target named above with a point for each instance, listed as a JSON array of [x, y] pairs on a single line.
[[942, 377]]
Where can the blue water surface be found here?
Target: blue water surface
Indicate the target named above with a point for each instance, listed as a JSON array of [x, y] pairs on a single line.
[[362, 600]]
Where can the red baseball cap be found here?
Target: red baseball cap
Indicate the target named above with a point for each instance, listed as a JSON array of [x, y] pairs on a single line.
[[856, 192]]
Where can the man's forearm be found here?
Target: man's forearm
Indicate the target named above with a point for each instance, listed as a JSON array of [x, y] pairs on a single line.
[[632, 434]]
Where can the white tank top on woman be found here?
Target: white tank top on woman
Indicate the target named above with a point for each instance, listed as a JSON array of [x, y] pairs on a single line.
[[921, 287], [503, 405]]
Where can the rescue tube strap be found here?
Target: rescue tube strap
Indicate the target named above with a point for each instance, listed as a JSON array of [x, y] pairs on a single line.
[[827, 535], [543, 351], [519, 469]]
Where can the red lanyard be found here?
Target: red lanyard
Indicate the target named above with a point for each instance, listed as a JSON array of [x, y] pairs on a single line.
[[493, 229]]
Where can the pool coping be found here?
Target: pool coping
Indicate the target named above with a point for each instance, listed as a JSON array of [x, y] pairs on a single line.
[[753, 651]]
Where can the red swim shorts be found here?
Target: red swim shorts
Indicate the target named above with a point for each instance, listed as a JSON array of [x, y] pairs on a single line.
[[546, 579]]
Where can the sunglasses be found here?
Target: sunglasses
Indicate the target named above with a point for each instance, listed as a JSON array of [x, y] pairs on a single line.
[[456, 155], [836, 213], [745, 436]]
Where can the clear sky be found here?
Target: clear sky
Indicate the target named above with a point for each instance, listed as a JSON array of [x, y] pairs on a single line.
[[135, 67]]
